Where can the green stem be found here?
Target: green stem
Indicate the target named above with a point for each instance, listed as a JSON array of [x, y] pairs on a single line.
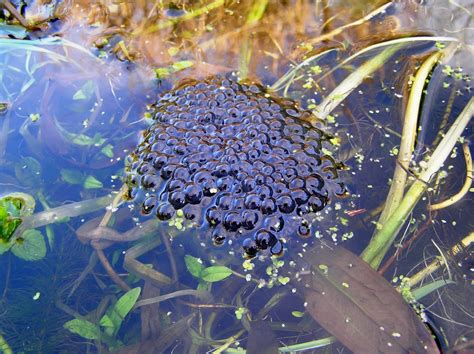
[[256, 12], [187, 16], [383, 238], [4, 347], [407, 143], [319, 343], [345, 88], [54, 215], [287, 79]]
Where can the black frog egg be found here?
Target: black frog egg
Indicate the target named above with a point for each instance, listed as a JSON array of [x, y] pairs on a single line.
[[148, 205], [299, 196], [250, 247], [277, 249], [175, 184], [193, 193], [250, 219], [265, 239], [167, 171], [159, 161], [249, 184], [150, 181], [225, 201], [304, 229], [218, 236], [213, 216], [275, 223], [285, 204], [252, 201], [268, 206], [232, 221], [317, 202], [314, 184], [192, 212], [165, 211], [177, 199]]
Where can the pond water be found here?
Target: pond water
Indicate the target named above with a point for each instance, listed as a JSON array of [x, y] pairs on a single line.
[[82, 269]]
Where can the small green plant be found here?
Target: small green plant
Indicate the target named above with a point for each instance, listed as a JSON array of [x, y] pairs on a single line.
[[109, 324], [205, 275], [30, 244]]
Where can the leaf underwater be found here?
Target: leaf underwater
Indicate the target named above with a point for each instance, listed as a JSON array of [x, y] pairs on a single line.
[[359, 307], [261, 340]]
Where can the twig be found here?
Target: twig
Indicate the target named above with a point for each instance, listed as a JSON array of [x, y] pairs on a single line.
[[11, 9], [466, 186], [169, 251], [100, 252], [105, 262], [51, 216]]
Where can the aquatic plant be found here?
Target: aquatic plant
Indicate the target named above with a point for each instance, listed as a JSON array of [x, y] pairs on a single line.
[[269, 298]]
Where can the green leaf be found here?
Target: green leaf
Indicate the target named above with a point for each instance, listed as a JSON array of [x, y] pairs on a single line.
[[162, 73], [9, 217], [297, 314], [429, 288], [194, 265], [28, 171], [35, 117], [72, 176], [85, 92], [50, 236], [113, 319], [215, 273], [83, 328], [30, 246], [92, 183], [108, 151], [13, 207], [84, 140]]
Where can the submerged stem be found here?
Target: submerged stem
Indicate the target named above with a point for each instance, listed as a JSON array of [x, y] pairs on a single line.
[[436, 264], [55, 215], [319, 343], [407, 143], [351, 82], [4, 347], [466, 186], [383, 238]]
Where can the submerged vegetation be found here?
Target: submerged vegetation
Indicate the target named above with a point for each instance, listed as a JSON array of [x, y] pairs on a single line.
[[389, 97]]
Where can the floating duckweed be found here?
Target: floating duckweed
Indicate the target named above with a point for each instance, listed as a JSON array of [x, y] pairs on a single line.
[[235, 161]]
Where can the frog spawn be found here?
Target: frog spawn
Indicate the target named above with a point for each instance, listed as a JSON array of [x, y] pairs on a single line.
[[238, 162]]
